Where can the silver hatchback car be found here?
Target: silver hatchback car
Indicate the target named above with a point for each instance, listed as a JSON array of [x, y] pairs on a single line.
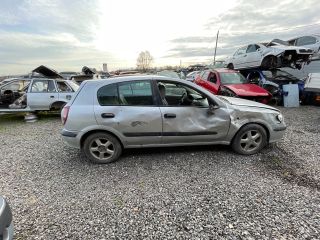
[[106, 116]]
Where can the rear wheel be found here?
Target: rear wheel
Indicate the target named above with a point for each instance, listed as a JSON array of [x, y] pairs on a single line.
[[102, 148], [250, 139]]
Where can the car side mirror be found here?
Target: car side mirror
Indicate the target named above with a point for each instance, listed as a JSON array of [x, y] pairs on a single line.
[[212, 109]]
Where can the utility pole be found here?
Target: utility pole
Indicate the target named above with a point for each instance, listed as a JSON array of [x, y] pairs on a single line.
[[215, 50]]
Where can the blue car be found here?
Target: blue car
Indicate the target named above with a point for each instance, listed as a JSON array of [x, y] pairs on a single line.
[[272, 81]]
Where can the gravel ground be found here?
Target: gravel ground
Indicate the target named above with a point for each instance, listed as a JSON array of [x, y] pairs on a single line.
[[180, 193]]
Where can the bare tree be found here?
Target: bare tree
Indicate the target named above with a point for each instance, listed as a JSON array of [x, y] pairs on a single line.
[[144, 61]]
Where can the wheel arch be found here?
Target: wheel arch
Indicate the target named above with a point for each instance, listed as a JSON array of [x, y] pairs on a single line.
[[90, 132], [57, 103], [248, 123]]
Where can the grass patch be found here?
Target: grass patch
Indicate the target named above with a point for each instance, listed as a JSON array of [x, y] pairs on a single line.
[[118, 201]]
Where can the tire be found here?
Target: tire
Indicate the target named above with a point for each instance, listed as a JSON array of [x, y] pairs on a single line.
[[230, 66], [102, 148], [269, 62], [250, 139]]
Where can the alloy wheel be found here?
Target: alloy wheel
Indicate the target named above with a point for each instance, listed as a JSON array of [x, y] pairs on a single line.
[[251, 140], [102, 148]]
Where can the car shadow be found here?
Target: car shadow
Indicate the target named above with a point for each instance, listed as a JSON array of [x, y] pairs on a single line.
[[174, 150]]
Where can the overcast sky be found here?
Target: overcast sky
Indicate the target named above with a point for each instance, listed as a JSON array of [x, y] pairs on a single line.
[[67, 35]]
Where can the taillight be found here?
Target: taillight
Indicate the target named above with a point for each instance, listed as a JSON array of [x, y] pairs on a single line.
[[64, 114]]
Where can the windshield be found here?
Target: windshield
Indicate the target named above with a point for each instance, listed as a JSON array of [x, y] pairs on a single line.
[[232, 78]]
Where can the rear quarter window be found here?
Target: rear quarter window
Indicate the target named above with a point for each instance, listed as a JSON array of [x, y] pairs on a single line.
[[108, 95]]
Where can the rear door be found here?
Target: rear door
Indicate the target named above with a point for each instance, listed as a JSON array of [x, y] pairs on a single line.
[[130, 109], [239, 58], [64, 90], [41, 94], [253, 55], [186, 118]]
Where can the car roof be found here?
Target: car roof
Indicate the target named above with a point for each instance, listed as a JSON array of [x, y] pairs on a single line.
[[132, 78]]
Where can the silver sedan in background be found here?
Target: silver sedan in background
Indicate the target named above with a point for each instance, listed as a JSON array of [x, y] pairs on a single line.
[[154, 111]]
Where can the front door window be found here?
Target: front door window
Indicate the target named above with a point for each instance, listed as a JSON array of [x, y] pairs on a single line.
[[176, 94]]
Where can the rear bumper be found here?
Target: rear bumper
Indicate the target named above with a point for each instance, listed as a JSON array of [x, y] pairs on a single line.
[[71, 138], [8, 233]]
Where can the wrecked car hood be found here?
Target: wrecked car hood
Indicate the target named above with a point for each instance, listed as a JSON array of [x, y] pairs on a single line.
[[47, 72], [245, 103], [247, 90]]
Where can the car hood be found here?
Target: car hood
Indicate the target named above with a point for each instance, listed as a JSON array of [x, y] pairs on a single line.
[[246, 103], [248, 89], [47, 72]]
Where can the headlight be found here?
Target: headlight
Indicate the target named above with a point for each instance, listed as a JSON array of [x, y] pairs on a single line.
[[227, 92], [280, 117]]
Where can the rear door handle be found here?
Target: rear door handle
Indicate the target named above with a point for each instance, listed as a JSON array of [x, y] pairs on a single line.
[[51, 96], [170, 115], [107, 115]]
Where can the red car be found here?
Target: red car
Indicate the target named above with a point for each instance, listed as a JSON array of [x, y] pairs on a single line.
[[231, 83]]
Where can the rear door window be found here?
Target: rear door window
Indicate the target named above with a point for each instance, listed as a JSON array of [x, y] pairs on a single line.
[[63, 87], [241, 51], [137, 93], [205, 75]]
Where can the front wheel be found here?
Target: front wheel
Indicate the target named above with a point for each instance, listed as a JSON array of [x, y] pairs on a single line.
[[269, 62], [102, 148], [250, 139]]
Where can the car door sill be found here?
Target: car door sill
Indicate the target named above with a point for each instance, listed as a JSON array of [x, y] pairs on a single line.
[[178, 144]]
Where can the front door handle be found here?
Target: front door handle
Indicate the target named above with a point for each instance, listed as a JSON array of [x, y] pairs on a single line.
[[107, 115], [170, 115]]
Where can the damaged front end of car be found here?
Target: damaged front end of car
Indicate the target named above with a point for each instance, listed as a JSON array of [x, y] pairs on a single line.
[[290, 56]]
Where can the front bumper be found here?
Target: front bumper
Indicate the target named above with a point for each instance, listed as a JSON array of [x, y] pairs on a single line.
[[277, 133]]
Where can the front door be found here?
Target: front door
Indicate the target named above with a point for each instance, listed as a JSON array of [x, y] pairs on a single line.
[[41, 94], [130, 109], [186, 116]]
